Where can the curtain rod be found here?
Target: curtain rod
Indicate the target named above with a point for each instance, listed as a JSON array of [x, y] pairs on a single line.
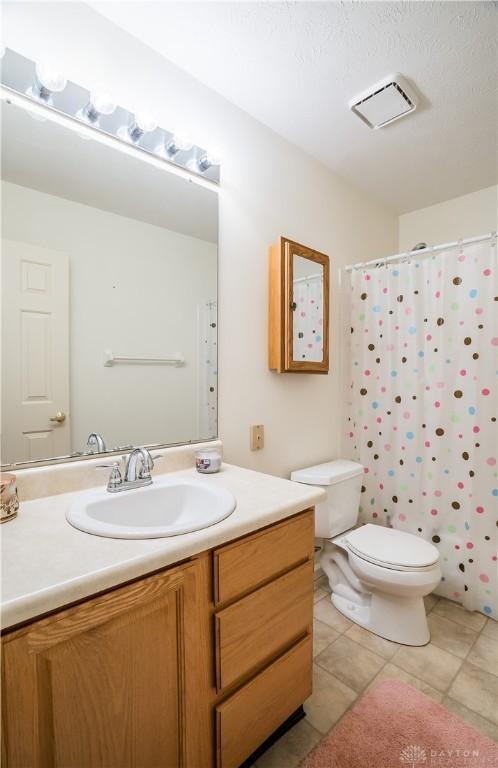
[[421, 252]]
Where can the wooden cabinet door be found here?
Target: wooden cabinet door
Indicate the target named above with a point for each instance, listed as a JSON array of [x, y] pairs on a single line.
[[106, 684]]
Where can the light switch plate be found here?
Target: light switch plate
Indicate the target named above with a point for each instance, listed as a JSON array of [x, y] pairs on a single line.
[[257, 433]]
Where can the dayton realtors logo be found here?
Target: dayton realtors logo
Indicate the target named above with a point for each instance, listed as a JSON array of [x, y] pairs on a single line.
[[413, 756]]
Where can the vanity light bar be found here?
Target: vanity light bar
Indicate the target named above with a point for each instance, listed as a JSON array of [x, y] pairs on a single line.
[[50, 90]]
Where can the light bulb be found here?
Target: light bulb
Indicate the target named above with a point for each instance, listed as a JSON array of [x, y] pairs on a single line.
[[143, 122], [48, 80], [178, 144], [207, 161], [100, 104]]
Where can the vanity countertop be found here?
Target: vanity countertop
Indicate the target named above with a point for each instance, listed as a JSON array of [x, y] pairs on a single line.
[[46, 563]]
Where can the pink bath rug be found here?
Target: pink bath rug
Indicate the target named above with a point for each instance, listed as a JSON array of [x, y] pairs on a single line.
[[396, 726]]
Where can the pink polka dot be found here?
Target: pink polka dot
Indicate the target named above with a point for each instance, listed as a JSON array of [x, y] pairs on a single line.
[[368, 277], [494, 341], [457, 546], [387, 447], [491, 461], [379, 420], [463, 372], [427, 444], [484, 578], [374, 515], [437, 493], [494, 558], [486, 272], [479, 510], [461, 257], [475, 430], [381, 486], [366, 373], [456, 595], [434, 512], [479, 311], [402, 517], [437, 404], [460, 485], [440, 385], [438, 294], [408, 311], [384, 290], [469, 545], [429, 336], [406, 415], [383, 389], [485, 391]]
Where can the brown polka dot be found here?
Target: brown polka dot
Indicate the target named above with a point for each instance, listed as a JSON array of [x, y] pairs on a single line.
[[363, 296], [439, 431], [400, 298], [369, 444], [397, 399], [462, 567], [455, 505], [458, 393], [457, 281], [440, 321], [371, 347], [363, 391], [465, 456], [395, 499], [436, 539], [467, 340]]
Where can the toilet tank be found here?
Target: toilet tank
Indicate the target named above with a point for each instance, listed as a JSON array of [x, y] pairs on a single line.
[[341, 480]]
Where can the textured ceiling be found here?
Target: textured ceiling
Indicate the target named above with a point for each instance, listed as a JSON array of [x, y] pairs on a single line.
[[295, 65]]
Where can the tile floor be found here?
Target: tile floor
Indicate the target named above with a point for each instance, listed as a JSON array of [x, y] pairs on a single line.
[[458, 669]]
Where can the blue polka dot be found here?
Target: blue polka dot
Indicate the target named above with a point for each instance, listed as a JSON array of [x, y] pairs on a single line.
[[375, 404], [467, 526], [394, 373], [472, 410], [420, 354], [419, 459], [376, 308], [391, 473], [487, 609], [412, 329], [410, 435], [395, 272], [473, 293], [318, 338], [495, 491]]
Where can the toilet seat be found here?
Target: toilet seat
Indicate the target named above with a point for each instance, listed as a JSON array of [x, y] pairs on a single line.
[[391, 549]]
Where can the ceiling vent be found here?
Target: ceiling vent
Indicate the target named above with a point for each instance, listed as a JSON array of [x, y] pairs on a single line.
[[384, 102]]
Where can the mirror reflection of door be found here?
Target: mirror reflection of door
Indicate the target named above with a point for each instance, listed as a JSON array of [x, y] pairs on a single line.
[[35, 352], [307, 305]]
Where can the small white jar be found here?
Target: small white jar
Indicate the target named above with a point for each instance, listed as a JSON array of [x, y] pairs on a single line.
[[208, 460]]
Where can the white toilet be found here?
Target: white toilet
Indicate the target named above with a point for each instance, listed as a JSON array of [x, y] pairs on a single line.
[[378, 576]]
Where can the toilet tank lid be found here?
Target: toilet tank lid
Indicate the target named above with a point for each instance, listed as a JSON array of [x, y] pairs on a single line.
[[328, 473]]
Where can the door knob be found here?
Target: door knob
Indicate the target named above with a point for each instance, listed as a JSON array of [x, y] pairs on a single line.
[[60, 417]]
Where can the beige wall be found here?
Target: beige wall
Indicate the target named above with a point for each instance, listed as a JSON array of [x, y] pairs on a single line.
[[466, 216], [269, 187]]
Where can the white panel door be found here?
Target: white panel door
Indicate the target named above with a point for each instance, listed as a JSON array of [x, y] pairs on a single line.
[[35, 352]]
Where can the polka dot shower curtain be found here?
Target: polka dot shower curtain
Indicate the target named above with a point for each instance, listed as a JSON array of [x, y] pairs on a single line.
[[307, 321], [423, 413]]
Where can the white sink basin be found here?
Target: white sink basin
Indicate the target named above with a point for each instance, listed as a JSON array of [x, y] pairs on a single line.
[[168, 507]]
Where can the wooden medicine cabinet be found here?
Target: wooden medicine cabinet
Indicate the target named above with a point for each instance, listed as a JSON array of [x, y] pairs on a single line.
[[298, 309]]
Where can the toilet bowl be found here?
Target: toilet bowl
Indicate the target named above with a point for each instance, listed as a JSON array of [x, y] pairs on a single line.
[[378, 576]]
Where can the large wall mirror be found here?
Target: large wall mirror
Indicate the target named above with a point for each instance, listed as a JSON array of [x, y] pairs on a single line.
[[108, 293]]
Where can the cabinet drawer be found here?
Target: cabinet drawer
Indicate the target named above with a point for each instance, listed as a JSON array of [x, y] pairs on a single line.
[[246, 719], [247, 564], [258, 627]]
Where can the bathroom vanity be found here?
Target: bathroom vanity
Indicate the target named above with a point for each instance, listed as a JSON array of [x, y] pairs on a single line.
[[193, 664]]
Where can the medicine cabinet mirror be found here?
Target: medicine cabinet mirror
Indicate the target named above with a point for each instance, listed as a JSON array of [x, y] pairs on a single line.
[[299, 309], [109, 296]]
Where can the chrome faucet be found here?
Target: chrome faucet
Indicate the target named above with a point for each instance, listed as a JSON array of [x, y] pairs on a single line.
[[136, 473], [96, 443]]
